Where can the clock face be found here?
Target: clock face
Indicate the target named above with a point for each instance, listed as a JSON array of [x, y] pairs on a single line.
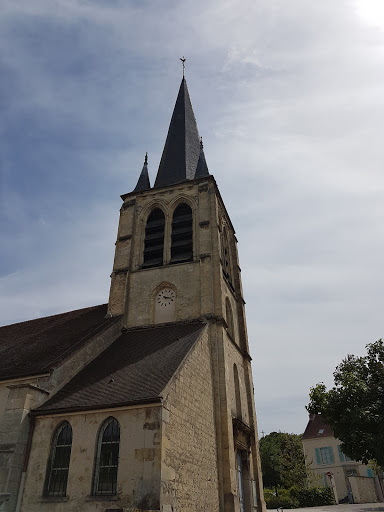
[[165, 297]]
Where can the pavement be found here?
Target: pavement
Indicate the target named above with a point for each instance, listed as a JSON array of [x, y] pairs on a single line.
[[365, 507]]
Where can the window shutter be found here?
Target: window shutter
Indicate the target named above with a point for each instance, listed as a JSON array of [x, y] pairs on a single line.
[[318, 458], [369, 472], [341, 454], [331, 456]]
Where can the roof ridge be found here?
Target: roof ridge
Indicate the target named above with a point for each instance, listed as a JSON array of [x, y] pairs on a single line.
[[162, 325], [51, 316]]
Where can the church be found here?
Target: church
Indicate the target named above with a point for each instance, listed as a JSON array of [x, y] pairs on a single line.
[[145, 403]]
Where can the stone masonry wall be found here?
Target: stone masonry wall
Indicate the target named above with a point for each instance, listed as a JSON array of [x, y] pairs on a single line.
[[19, 397], [14, 428], [363, 489], [189, 453], [133, 288], [233, 356], [138, 477]]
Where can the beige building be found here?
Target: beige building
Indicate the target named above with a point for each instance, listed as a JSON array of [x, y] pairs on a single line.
[[145, 403], [329, 466]]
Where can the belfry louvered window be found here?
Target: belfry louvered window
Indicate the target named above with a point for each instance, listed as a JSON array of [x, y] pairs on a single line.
[[154, 239], [107, 459], [58, 464], [182, 234], [229, 318], [226, 257]]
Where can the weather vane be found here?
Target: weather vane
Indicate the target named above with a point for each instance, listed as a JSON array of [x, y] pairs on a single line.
[[183, 59]]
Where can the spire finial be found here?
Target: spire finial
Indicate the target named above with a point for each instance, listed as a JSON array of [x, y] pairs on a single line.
[[183, 59], [146, 158]]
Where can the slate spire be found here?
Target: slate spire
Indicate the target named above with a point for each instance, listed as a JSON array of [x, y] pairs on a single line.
[[202, 168], [143, 181], [182, 146]]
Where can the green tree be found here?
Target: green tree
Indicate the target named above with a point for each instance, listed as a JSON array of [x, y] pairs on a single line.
[[354, 407], [282, 460]]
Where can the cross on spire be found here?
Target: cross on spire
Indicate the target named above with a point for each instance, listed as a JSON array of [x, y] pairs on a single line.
[[183, 59]]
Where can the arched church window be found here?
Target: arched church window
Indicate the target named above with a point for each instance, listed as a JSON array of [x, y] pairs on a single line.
[[182, 234], [58, 463], [237, 392], [226, 258], [229, 318], [107, 459], [154, 239]]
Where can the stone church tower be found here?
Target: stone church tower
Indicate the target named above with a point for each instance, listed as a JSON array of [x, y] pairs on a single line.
[[145, 403], [176, 259]]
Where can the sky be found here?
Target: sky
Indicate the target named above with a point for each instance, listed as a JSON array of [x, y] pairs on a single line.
[[289, 98]]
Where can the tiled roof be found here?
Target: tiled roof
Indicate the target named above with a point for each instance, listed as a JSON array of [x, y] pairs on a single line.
[[182, 146], [135, 368], [316, 428], [35, 346]]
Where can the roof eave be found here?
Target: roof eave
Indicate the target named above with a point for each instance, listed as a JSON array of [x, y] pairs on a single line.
[[95, 407]]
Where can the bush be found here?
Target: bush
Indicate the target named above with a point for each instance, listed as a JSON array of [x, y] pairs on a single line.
[[284, 499], [315, 497], [294, 497]]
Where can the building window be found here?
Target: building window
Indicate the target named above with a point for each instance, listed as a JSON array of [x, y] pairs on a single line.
[[226, 259], [154, 239], [237, 392], [324, 455], [107, 458], [229, 318], [58, 464], [342, 456], [182, 234]]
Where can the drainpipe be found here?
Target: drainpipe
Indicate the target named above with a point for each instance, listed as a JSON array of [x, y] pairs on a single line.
[[25, 463]]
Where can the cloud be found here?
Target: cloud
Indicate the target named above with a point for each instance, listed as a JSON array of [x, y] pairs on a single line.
[[289, 102]]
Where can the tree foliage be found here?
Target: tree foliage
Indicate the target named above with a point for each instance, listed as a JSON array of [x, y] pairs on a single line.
[[282, 460], [354, 407]]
